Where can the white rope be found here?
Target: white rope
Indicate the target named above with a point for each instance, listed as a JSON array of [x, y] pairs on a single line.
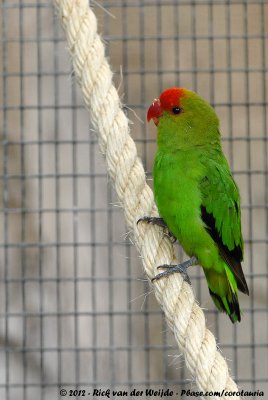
[[184, 316]]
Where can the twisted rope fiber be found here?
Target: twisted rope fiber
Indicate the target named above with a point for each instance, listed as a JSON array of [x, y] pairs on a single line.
[[184, 316]]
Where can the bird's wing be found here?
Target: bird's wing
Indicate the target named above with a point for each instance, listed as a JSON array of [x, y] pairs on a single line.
[[220, 212]]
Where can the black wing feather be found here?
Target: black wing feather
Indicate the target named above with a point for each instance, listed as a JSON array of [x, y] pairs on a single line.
[[232, 257]]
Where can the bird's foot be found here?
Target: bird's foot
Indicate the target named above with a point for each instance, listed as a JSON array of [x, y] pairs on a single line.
[[172, 269], [160, 222]]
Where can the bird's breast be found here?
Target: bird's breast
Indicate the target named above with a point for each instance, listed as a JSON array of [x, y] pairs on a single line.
[[176, 188]]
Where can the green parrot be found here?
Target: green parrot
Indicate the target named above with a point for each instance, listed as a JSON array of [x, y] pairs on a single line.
[[196, 195]]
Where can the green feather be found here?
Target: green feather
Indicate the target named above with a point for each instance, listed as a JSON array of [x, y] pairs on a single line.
[[193, 182]]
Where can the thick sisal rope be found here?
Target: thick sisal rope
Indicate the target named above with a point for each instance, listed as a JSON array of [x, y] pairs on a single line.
[[184, 316]]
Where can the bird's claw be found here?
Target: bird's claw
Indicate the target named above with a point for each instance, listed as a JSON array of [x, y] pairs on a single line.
[[172, 269], [153, 220], [172, 238], [160, 222]]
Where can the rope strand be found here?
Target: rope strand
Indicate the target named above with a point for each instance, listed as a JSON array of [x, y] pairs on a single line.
[[184, 317]]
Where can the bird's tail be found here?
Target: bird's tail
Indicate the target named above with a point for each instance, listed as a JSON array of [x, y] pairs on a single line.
[[223, 290]]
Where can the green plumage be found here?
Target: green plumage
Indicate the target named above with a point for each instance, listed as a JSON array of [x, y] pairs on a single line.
[[197, 197]]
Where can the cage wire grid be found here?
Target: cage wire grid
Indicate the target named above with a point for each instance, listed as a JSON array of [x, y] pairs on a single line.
[[76, 311]]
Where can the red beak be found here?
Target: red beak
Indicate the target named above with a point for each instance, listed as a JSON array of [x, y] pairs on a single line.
[[155, 111]]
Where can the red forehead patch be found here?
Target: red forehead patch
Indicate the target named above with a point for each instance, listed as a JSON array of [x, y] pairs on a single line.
[[171, 98]]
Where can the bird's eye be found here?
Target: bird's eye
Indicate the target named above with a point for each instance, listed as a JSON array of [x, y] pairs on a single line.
[[176, 110]]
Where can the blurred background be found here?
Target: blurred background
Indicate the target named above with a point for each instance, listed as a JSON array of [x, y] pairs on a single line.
[[75, 308]]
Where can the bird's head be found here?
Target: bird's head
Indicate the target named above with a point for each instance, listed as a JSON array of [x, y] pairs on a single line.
[[169, 102], [183, 118]]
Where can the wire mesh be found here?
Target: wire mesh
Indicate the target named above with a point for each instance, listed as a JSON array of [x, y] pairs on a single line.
[[75, 309]]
